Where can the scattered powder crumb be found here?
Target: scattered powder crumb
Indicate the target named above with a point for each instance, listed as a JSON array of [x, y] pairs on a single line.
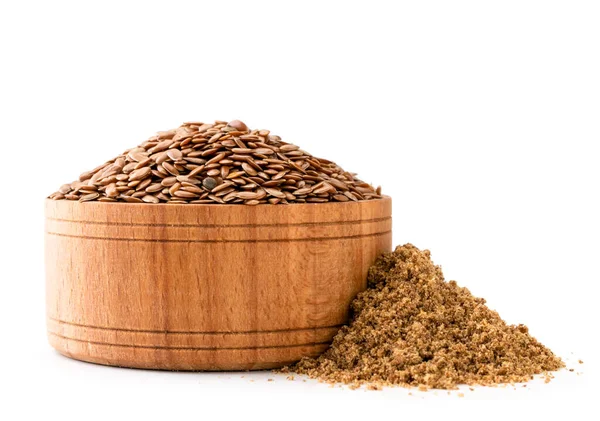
[[571, 369], [290, 377], [412, 328], [269, 380], [471, 389], [548, 377], [461, 395], [422, 388], [580, 362]]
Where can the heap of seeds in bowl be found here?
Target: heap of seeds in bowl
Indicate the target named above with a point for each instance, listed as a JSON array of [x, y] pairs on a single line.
[[412, 328], [217, 163]]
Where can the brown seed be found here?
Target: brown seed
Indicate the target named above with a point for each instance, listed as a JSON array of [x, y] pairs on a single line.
[[225, 170], [130, 199], [161, 157], [87, 189], [174, 154], [216, 158], [166, 134], [324, 188], [129, 167], [168, 181], [95, 178], [223, 192], [197, 161], [88, 197], [108, 180], [65, 188], [238, 125], [215, 198], [139, 174], [185, 194], [138, 194], [246, 195], [170, 168], [86, 175], [288, 148], [137, 156], [275, 193], [150, 199], [215, 137], [248, 168], [220, 187], [341, 198], [153, 188], [235, 174], [196, 171], [111, 191], [145, 183], [173, 189], [188, 179], [303, 191], [164, 145], [350, 196], [192, 189], [280, 175]]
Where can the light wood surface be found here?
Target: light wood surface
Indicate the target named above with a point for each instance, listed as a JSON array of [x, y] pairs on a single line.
[[205, 287]]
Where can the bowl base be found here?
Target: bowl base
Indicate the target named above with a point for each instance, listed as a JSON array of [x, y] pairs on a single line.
[[187, 351]]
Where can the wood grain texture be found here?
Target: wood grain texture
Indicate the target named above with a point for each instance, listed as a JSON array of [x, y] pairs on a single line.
[[205, 287]]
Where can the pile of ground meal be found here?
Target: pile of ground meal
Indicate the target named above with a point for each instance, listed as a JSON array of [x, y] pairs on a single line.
[[412, 328]]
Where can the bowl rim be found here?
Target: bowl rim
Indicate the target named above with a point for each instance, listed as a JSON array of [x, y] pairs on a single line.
[[384, 199], [215, 215]]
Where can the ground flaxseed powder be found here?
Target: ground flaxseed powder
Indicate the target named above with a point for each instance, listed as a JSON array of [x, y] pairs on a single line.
[[412, 328]]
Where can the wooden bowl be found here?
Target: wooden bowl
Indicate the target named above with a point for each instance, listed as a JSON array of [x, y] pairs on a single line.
[[206, 287]]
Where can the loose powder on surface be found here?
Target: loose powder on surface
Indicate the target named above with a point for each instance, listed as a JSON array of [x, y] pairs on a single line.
[[412, 328]]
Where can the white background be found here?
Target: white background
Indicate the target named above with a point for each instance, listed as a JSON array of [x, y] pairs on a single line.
[[479, 118]]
